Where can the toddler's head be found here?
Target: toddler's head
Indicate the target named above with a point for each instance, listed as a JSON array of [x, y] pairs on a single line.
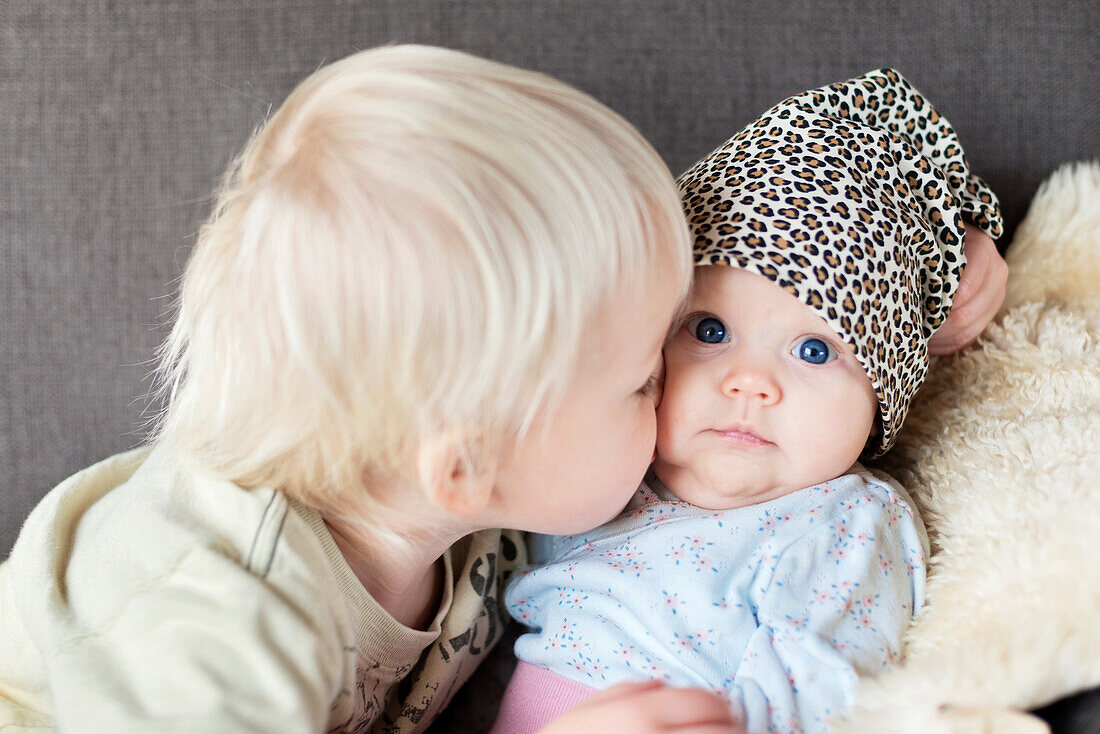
[[416, 244], [828, 236]]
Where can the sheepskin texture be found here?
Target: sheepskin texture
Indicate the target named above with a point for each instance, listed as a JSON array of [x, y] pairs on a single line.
[[1001, 451]]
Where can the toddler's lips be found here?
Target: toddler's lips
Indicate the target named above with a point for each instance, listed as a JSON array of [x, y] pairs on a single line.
[[744, 439]]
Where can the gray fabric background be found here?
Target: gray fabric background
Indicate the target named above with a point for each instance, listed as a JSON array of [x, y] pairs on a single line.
[[117, 118]]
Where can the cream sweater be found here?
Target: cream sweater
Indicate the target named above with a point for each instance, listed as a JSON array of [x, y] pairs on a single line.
[[142, 596]]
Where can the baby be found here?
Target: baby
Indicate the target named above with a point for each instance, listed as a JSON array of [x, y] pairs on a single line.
[[758, 558]]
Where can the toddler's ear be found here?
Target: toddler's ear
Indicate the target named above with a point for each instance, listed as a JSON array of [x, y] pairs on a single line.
[[457, 471]]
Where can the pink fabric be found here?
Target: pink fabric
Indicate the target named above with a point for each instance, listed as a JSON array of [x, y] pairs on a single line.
[[534, 698]]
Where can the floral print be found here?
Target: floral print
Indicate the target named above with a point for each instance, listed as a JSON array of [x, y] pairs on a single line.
[[777, 606]]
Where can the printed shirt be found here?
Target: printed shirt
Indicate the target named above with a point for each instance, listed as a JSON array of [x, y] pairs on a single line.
[[778, 606]]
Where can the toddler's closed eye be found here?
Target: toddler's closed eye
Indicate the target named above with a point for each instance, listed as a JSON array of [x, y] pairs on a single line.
[[654, 384]]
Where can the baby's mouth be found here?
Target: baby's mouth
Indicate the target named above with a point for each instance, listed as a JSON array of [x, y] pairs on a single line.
[[741, 436]]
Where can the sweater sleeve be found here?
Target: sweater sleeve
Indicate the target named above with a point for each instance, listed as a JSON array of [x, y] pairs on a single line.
[[206, 647], [148, 599], [835, 608]]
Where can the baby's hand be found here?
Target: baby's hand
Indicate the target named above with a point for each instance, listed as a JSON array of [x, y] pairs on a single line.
[[648, 706], [980, 294]]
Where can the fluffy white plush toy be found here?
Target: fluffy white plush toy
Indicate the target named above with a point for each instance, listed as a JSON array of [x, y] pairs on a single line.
[[1001, 451]]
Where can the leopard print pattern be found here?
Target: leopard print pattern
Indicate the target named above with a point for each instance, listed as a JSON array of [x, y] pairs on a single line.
[[850, 197]]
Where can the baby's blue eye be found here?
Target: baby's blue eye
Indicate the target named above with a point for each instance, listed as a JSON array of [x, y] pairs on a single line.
[[814, 351], [709, 330]]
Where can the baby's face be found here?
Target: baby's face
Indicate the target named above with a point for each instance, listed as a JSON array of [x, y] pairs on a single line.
[[761, 397]]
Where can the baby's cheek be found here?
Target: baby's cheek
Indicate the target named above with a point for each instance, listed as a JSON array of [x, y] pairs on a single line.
[[674, 415]]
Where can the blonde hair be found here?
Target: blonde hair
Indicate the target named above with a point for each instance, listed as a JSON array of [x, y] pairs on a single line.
[[415, 241]]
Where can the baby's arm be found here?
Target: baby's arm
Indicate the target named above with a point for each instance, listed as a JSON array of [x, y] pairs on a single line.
[[979, 297], [836, 607]]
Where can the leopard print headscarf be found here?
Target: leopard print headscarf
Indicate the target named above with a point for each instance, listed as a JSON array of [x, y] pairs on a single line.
[[852, 198]]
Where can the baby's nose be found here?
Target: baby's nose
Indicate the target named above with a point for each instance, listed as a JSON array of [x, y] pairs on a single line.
[[751, 382]]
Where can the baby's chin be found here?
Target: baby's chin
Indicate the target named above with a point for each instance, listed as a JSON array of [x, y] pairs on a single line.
[[716, 491], [733, 498], [722, 482], [723, 494]]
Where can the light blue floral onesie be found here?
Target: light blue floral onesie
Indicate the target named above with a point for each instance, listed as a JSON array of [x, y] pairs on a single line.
[[778, 606]]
